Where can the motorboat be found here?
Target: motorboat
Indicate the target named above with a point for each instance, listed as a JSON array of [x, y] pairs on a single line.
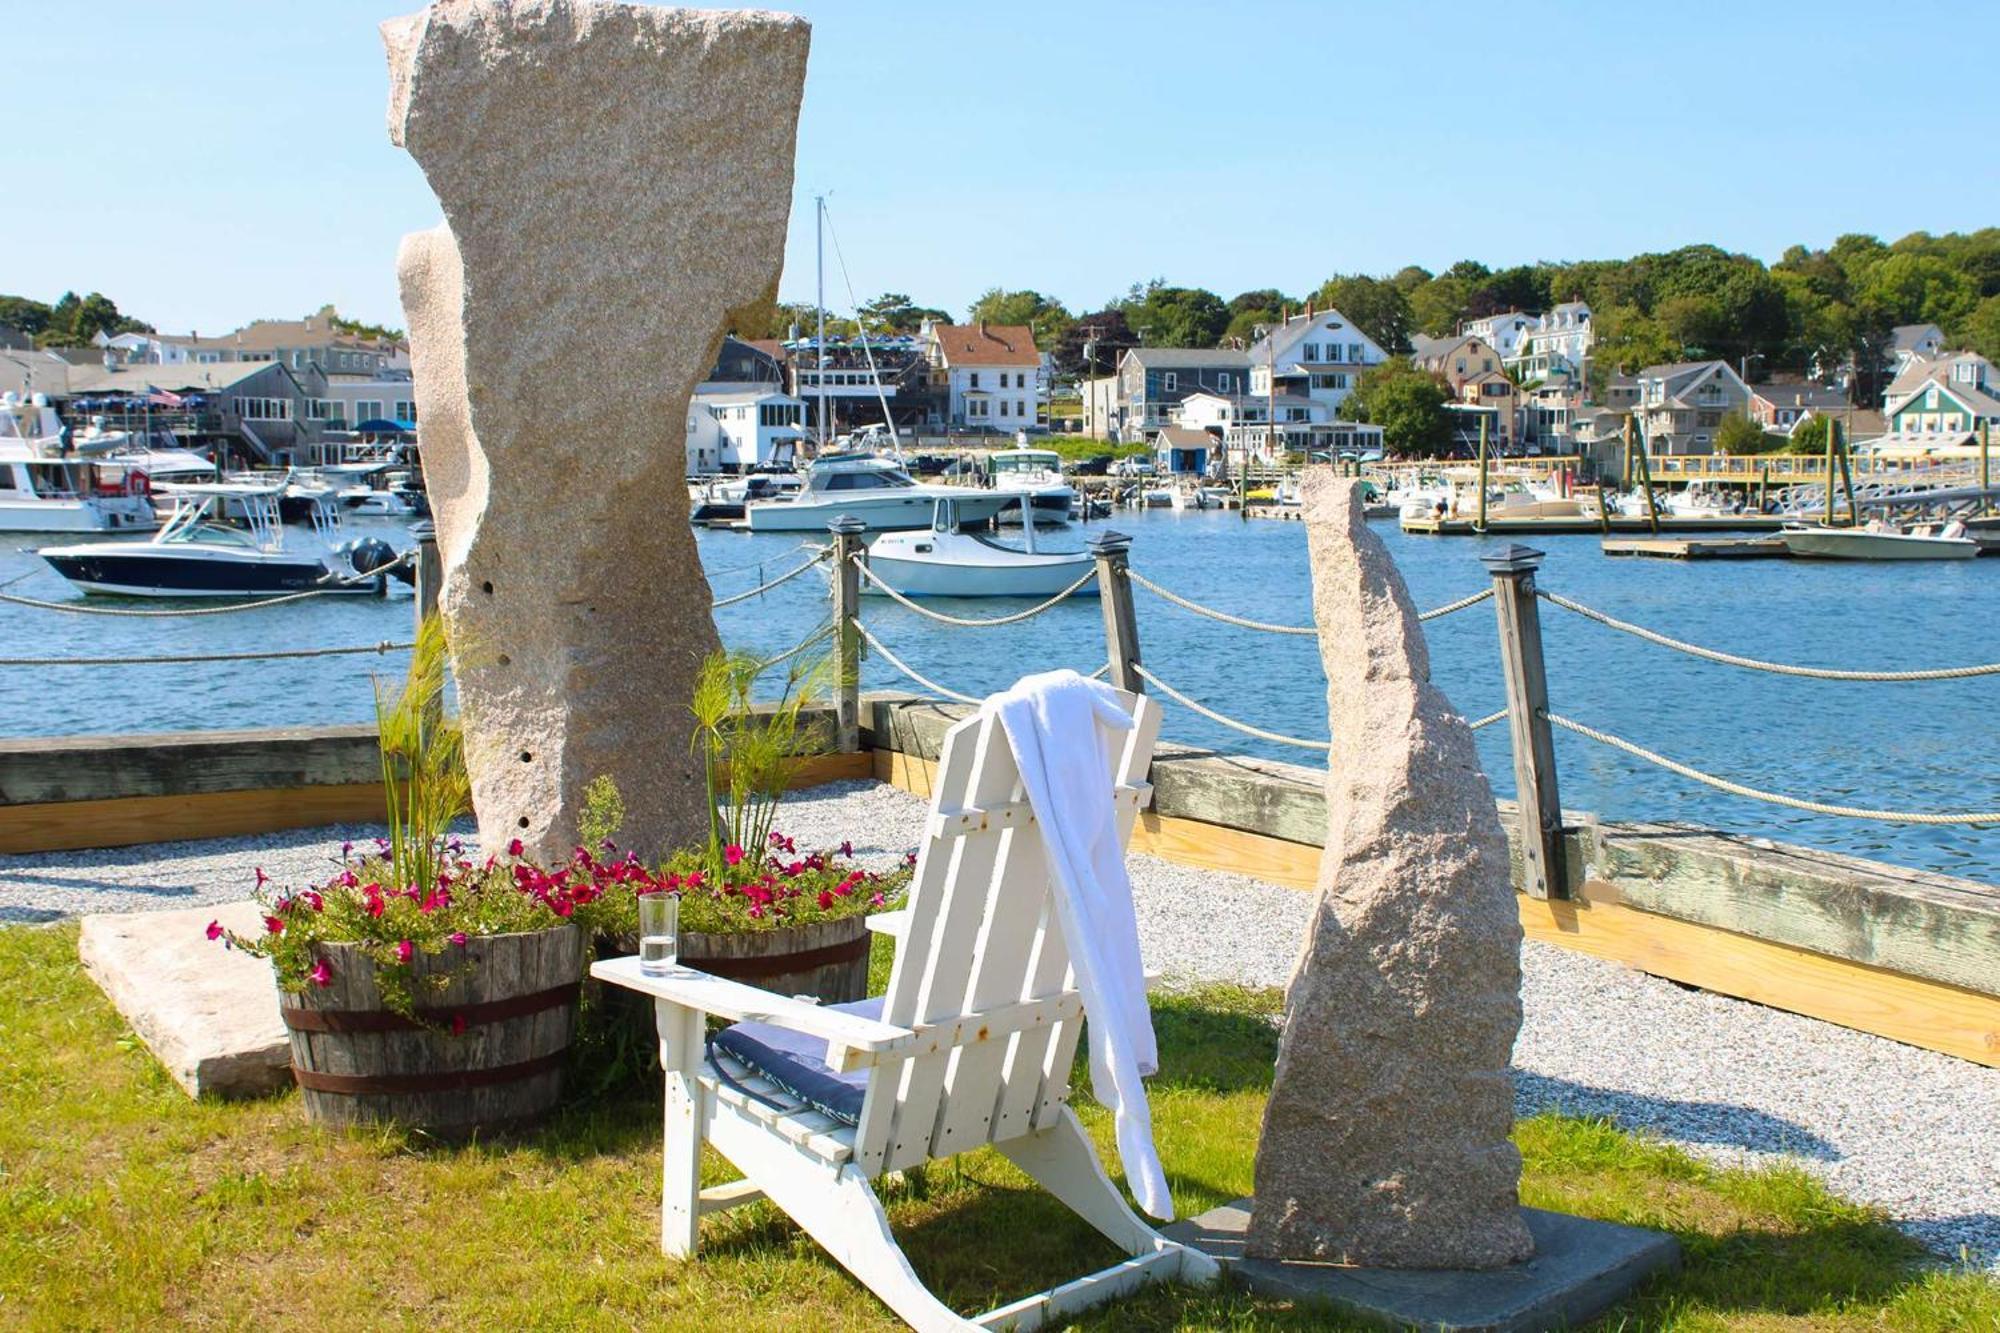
[[1880, 541], [874, 490], [721, 499], [948, 561], [1506, 497], [197, 554], [1702, 499], [47, 484], [1039, 473]]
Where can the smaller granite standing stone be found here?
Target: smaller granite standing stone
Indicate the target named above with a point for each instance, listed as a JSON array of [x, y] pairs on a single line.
[[1386, 1139]]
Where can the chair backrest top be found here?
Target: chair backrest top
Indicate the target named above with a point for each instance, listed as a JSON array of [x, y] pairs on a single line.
[[984, 935]]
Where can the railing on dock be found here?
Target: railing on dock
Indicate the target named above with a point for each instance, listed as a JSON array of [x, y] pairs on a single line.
[[1532, 723]]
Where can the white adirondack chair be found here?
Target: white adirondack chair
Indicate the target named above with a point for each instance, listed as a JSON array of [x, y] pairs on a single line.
[[977, 1035]]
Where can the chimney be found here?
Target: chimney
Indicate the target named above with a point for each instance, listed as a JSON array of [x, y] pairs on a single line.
[[982, 328]]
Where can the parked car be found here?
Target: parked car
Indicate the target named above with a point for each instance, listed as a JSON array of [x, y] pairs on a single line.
[[1096, 465], [1137, 466]]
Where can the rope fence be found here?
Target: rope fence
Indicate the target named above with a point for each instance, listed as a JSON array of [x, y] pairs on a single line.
[[1223, 720], [1757, 664], [763, 588], [1773, 798], [966, 622], [1265, 627], [184, 659], [909, 670]]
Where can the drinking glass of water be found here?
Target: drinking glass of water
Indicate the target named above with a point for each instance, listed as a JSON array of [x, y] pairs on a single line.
[[659, 932]]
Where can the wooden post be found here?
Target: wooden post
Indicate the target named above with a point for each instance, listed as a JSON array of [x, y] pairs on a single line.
[[1535, 791], [1839, 439], [1764, 489], [430, 571], [1827, 518], [846, 531], [1985, 466], [1603, 510], [1646, 479], [1482, 474], [1114, 593]]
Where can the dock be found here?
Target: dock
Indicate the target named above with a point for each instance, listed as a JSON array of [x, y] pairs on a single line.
[[1698, 548], [1528, 525]]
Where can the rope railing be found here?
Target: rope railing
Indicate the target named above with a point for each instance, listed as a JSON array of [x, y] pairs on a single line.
[[823, 632], [1244, 622], [185, 659], [763, 588], [968, 622], [1757, 664], [1773, 798], [786, 554], [1223, 720], [333, 586], [1486, 721], [909, 670]]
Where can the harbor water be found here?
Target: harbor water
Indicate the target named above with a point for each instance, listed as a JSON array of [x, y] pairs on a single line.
[[1926, 746]]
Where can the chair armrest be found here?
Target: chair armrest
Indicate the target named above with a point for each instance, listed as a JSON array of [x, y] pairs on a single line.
[[739, 1003], [893, 924]]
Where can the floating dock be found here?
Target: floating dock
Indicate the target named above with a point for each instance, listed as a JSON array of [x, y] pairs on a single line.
[[1527, 525], [1700, 548]]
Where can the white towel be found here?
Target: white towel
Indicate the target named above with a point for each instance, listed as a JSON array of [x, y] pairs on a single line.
[[1058, 726]]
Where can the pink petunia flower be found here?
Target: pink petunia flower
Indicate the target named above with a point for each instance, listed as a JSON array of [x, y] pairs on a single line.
[[514, 848], [458, 1025], [274, 925], [458, 938], [825, 900], [262, 878], [321, 974], [404, 951], [847, 849], [215, 930], [732, 854]]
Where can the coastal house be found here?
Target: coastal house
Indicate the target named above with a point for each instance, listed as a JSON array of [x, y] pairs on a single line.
[[1914, 342], [1781, 408], [1949, 395], [1317, 355], [988, 375], [1560, 342], [1179, 451], [259, 411], [1153, 382], [1682, 405], [739, 427], [343, 404], [1099, 397], [1505, 332], [1473, 370], [315, 341]]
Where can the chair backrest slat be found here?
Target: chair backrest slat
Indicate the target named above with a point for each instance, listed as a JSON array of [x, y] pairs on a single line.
[[984, 931]]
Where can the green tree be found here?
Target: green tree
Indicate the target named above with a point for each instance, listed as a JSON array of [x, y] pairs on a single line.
[[1982, 329], [1093, 343], [1044, 314], [1437, 306], [22, 313], [1808, 437], [893, 312], [1408, 404], [1179, 316], [75, 320], [1628, 339], [1740, 435], [1377, 307]]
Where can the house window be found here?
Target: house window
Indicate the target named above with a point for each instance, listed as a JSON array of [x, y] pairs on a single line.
[[1312, 352], [1020, 409], [1354, 353], [367, 409], [1222, 381], [973, 379], [406, 410], [1170, 381], [1003, 407], [1461, 365]]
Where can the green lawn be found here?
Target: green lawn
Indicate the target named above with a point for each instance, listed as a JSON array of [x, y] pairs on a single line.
[[123, 1204]]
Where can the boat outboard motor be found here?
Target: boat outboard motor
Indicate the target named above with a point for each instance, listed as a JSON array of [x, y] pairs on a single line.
[[368, 555]]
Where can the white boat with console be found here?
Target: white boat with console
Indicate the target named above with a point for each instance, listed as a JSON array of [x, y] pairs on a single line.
[[195, 554], [1039, 473], [52, 484], [1880, 541], [949, 562], [874, 490]]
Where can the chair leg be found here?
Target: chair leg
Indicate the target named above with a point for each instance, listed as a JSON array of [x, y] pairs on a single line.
[[680, 1165], [1064, 1162]]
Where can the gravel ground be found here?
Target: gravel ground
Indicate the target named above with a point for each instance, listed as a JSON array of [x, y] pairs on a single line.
[[1914, 1132]]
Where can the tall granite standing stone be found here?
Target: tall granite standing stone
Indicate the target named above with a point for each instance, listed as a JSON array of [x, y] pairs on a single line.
[[1385, 1143], [615, 181]]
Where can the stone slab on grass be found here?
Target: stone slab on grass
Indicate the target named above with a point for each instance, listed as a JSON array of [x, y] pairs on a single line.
[[209, 1014], [1580, 1269]]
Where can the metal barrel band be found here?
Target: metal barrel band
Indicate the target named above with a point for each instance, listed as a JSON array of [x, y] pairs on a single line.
[[771, 965], [443, 1081], [475, 1015]]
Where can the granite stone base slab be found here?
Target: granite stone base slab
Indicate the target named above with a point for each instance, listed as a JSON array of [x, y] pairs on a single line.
[[209, 1014], [1580, 1269]]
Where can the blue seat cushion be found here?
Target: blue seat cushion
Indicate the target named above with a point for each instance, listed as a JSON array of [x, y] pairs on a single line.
[[797, 1062]]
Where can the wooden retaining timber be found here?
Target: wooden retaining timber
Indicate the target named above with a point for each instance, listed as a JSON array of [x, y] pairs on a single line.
[[1899, 953], [115, 791], [827, 960]]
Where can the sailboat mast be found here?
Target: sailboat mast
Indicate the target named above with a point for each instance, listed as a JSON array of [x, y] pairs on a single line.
[[819, 300]]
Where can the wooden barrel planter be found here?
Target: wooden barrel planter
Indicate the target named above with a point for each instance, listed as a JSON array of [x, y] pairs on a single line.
[[827, 960], [358, 1062]]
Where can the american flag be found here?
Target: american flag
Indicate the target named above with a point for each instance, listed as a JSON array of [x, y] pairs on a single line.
[[158, 397]]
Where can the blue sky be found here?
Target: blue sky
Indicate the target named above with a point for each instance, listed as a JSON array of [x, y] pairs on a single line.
[[208, 161]]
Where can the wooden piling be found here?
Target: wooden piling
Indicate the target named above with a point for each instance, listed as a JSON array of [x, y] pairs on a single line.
[[1539, 803], [847, 531], [1112, 551]]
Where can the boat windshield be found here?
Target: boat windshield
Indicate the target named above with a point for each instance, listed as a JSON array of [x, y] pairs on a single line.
[[1027, 461], [863, 481], [214, 534]]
